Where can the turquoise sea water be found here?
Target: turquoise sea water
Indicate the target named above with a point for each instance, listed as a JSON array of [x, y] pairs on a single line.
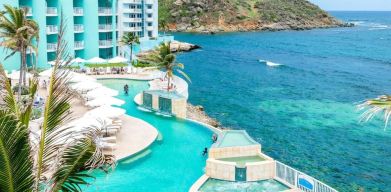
[[303, 113], [173, 163]]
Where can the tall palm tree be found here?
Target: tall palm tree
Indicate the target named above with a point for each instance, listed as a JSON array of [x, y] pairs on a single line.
[[58, 158], [130, 39], [18, 33], [164, 59], [372, 107]]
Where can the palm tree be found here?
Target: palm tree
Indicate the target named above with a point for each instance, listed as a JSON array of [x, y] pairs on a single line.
[[58, 158], [372, 107], [163, 25], [18, 33], [165, 60], [130, 39]]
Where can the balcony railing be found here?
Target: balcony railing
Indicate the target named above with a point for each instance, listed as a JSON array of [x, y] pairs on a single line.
[[105, 27], [133, 20], [79, 45], [78, 28], [105, 43], [104, 11], [51, 47], [78, 11], [149, 19], [130, 10], [51, 29], [134, 1], [149, 10], [29, 11], [132, 29], [149, 28], [51, 11]]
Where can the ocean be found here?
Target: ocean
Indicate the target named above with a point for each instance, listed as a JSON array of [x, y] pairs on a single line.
[[303, 112]]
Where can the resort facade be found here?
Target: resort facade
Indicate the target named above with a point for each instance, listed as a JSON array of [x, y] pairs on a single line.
[[93, 27]]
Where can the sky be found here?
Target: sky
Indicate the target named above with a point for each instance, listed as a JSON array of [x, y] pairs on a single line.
[[354, 5]]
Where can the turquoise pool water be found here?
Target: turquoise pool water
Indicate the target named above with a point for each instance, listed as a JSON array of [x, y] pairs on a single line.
[[173, 163], [214, 185]]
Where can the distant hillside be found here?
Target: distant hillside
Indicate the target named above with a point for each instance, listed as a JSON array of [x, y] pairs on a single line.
[[242, 15]]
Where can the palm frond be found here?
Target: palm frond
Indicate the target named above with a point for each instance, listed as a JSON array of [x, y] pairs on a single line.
[[15, 162], [82, 155], [373, 107], [184, 75], [8, 100]]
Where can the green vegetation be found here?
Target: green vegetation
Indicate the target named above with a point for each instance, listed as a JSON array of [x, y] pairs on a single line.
[[165, 60], [18, 33], [57, 158], [98, 65], [130, 39], [251, 14]]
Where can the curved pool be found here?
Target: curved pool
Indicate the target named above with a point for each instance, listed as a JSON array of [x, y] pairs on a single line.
[[173, 163]]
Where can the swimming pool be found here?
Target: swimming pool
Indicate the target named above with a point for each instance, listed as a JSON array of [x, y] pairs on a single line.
[[214, 185], [234, 138], [173, 163]]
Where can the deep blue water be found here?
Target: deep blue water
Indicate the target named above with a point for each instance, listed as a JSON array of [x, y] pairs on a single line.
[[303, 113]]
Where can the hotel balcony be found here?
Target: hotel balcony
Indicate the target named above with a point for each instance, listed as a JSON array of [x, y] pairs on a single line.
[[79, 45], [134, 1], [78, 28], [29, 11], [132, 29], [149, 19], [105, 28], [130, 10], [149, 10], [51, 47], [51, 29], [51, 11], [149, 28], [104, 11], [133, 20], [105, 43], [149, 2], [78, 11]]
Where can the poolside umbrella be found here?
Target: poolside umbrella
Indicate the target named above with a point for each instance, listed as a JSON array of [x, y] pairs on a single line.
[[118, 59], [16, 74], [46, 73], [77, 77], [78, 60], [85, 86], [105, 100], [62, 62], [101, 91], [106, 111], [97, 60]]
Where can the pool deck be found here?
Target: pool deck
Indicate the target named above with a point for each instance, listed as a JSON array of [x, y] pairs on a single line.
[[134, 136]]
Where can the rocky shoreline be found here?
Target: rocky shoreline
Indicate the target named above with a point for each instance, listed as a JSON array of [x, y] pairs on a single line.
[[197, 113]]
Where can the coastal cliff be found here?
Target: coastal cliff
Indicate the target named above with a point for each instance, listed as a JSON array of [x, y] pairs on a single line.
[[238, 15]]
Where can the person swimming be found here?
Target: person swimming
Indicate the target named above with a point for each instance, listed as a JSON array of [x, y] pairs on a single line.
[[126, 89], [205, 152]]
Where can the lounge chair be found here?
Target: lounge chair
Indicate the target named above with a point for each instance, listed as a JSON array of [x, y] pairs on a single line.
[[111, 139]]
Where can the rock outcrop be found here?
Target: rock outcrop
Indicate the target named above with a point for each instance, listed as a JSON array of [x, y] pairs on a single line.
[[210, 16]]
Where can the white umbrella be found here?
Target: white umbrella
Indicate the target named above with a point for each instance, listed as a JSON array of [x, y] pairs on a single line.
[[85, 86], [105, 100], [78, 60], [46, 73], [16, 74], [106, 111], [62, 62], [101, 91], [97, 60], [77, 77], [118, 59]]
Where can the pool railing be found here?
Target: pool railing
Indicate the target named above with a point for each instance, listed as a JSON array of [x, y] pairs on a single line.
[[300, 180]]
